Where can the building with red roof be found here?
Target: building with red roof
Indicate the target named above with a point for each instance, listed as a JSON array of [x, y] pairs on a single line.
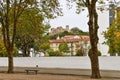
[[72, 42]]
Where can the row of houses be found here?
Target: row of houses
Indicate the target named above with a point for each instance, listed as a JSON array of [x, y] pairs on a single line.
[[74, 43]]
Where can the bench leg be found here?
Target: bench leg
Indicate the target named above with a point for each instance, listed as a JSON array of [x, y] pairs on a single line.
[[27, 72], [36, 72]]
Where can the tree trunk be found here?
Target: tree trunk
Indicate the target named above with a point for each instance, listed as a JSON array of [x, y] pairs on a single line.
[[118, 54], [24, 51], [93, 29], [10, 62], [113, 54]]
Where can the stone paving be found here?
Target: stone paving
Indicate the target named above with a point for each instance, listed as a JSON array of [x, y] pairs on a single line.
[[106, 63]]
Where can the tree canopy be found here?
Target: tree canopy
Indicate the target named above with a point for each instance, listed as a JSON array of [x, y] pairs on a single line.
[[63, 47], [10, 12], [77, 31], [112, 36], [73, 31]]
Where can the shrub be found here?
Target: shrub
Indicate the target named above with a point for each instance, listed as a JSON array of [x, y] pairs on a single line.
[[51, 52], [58, 53], [79, 52], [99, 53], [46, 55], [3, 52]]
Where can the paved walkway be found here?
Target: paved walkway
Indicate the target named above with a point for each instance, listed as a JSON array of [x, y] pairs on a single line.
[[110, 66], [19, 76]]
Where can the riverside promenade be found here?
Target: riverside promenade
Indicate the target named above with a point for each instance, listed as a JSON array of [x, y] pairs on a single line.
[[109, 66]]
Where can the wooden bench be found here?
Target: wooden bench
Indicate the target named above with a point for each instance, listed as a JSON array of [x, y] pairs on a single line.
[[32, 70]]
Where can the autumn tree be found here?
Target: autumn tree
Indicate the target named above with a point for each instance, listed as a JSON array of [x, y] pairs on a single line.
[[43, 43], [11, 10], [79, 50], [112, 36], [93, 31], [45, 46], [63, 47], [30, 29], [3, 52]]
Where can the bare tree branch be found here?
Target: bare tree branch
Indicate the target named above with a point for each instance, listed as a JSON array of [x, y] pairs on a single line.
[[84, 3]]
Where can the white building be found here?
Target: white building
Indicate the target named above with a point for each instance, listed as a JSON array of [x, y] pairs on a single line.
[[103, 22], [72, 42]]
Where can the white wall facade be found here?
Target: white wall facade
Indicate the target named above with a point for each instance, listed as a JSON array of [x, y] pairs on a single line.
[[103, 21]]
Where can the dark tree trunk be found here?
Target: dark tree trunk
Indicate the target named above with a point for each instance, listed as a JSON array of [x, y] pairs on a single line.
[[113, 54], [28, 52], [93, 29], [24, 51], [10, 62], [5, 20], [7, 38], [118, 54]]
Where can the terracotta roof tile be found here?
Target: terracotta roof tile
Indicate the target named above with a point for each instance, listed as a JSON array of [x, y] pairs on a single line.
[[69, 39]]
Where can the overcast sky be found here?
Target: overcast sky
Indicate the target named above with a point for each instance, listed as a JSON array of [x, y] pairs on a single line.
[[71, 18]]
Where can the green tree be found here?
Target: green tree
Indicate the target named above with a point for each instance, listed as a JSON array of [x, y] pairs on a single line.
[[64, 33], [99, 53], [2, 49], [93, 31], [58, 53], [9, 14], [51, 52], [45, 46], [79, 52], [73, 31], [53, 36], [63, 47], [3, 52], [30, 28], [10, 11], [77, 31], [43, 40], [110, 39], [112, 36]]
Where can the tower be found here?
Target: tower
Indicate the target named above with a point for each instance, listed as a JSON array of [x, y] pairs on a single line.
[[67, 28]]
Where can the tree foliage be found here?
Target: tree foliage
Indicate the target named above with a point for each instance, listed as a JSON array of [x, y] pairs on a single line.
[[112, 36], [3, 52], [93, 30], [73, 31], [77, 31], [11, 10], [29, 29], [43, 39], [45, 46], [63, 47], [79, 52]]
